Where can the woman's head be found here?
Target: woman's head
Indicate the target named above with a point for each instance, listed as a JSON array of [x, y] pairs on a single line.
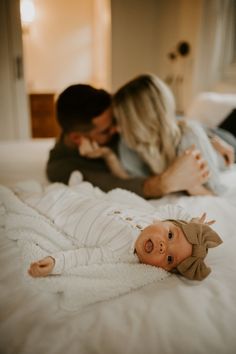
[[145, 111]]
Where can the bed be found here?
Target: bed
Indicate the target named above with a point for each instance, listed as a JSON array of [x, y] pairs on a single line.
[[168, 316]]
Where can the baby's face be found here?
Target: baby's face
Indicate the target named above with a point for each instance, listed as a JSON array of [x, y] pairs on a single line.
[[162, 244]]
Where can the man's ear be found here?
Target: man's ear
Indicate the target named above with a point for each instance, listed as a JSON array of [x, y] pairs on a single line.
[[75, 138]]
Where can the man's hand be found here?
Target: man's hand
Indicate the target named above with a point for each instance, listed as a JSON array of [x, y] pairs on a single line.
[[202, 220], [226, 150], [42, 267], [92, 150], [188, 171]]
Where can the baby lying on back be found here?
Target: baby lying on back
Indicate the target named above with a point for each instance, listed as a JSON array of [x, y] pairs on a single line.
[[105, 231]]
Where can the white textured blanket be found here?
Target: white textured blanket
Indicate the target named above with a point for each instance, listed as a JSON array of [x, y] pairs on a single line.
[[82, 286]]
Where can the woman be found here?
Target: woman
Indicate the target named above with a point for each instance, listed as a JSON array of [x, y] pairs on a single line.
[[145, 112]]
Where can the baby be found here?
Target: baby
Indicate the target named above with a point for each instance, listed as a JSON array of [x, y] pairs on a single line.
[[104, 231]]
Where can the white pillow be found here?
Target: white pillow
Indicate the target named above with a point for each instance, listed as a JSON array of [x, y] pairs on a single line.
[[23, 160], [211, 108]]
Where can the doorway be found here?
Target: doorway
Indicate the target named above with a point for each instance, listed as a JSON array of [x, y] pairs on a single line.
[[64, 43]]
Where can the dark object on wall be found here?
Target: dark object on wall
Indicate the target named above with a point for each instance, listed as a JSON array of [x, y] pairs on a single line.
[[183, 48], [172, 56], [230, 123]]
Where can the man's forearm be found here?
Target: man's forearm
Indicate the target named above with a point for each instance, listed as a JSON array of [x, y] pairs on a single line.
[[157, 186], [188, 171]]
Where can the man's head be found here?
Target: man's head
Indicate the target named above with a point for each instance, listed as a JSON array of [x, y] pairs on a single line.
[[177, 245], [83, 110]]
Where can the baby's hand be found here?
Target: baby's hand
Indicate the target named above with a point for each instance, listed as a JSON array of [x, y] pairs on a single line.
[[42, 267], [202, 220]]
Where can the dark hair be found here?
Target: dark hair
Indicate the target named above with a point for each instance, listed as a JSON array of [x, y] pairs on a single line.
[[78, 104]]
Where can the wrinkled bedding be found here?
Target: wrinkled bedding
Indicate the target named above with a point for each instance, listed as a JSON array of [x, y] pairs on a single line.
[[174, 315], [38, 236]]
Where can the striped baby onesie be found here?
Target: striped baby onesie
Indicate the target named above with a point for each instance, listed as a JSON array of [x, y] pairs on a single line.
[[102, 231]]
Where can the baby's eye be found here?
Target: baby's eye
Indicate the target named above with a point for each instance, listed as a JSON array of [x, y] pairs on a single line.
[[170, 259], [170, 235]]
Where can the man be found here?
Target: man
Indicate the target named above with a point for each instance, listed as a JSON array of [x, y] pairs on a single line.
[[84, 114]]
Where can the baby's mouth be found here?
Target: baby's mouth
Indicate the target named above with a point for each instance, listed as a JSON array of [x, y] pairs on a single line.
[[148, 246]]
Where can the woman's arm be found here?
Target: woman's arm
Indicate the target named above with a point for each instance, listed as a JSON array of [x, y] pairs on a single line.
[[91, 149], [114, 165], [224, 149]]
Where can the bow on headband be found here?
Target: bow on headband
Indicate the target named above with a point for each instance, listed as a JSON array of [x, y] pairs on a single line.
[[202, 237]]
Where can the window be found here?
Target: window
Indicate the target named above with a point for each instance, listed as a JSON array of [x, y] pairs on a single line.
[[229, 41]]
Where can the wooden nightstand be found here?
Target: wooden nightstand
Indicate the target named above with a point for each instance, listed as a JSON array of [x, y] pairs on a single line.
[[43, 117]]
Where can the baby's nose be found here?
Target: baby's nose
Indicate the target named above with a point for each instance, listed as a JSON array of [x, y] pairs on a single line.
[[162, 247]]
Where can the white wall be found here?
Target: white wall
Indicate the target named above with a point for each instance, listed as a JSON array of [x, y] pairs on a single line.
[[144, 32], [14, 117], [60, 46], [70, 41], [215, 67], [137, 46]]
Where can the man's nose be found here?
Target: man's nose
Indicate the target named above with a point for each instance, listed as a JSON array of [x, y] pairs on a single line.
[[162, 247]]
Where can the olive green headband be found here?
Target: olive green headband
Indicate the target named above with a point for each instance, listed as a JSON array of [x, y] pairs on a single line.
[[202, 237]]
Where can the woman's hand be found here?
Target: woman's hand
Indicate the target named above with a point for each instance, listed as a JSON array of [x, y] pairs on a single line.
[[42, 267], [202, 220], [224, 149], [91, 149]]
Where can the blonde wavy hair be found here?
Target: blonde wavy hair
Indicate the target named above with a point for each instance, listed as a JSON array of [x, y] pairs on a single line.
[[145, 111]]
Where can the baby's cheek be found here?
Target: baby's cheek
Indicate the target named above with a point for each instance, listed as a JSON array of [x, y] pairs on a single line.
[[155, 261]]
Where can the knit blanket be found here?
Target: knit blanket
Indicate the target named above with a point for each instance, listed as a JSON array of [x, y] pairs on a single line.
[[37, 237]]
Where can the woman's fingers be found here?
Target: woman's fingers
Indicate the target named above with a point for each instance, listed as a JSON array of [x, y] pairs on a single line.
[[202, 163], [190, 149], [203, 167]]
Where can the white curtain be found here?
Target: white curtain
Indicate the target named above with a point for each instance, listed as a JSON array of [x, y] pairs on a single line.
[[216, 43]]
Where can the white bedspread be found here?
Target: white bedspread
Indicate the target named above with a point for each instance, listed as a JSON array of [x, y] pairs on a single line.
[[24, 159], [38, 237], [172, 316]]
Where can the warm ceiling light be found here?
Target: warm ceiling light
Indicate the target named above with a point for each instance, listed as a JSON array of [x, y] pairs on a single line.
[[27, 11]]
